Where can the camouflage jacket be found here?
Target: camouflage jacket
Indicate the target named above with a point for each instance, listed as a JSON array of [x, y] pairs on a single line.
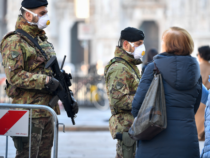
[[24, 67], [121, 85]]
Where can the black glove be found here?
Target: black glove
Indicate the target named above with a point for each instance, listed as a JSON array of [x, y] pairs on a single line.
[[75, 108], [53, 84], [118, 136]]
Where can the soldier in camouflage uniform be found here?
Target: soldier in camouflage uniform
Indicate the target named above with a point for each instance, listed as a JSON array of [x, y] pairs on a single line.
[[27, 78], [122, 78]]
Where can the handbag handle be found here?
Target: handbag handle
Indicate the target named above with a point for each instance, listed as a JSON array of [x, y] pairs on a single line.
[[156, 70]]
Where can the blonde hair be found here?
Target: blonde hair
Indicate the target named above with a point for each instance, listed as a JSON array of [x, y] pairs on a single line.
[[178, 41]]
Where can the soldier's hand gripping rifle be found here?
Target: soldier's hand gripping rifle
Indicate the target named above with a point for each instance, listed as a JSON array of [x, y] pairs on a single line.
[[64, 94]]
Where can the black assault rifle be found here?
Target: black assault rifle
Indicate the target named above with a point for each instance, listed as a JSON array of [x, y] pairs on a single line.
[[64, 94]]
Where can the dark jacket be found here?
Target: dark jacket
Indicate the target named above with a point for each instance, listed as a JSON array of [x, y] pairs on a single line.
[[182, 86]]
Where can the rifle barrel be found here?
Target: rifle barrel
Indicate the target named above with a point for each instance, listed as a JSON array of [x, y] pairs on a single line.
[[63, 62]]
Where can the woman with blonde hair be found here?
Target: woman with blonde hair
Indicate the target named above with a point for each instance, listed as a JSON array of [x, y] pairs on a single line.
[[182, 86]]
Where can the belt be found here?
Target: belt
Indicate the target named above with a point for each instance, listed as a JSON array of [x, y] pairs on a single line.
[[43, 91], [115, 112]]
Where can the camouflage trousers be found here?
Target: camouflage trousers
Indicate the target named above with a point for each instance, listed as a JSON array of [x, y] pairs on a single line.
[[41, 142], [119, 149]]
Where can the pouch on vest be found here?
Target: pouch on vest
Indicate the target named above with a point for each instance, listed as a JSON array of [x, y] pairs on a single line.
[[128, 146]]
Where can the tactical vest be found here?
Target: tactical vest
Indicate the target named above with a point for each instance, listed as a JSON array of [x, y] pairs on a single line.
[[115, 111], [123, 61], [13, 91]]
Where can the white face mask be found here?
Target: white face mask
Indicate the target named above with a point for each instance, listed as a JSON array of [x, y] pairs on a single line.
[[43, 21], [129, 53], [139, 51]]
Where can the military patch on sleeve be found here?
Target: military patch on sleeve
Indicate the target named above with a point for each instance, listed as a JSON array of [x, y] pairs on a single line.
[[119, 85], [14, 54]]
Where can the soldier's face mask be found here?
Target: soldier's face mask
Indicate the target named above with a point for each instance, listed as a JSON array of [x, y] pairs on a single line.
[[139, 51], [43, 21]]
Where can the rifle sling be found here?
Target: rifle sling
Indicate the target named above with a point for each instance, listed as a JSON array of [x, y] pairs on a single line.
[[128, 64], [33, 40]]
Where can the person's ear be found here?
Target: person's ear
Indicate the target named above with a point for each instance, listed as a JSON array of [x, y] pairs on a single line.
[[125, 44], [29, 16]]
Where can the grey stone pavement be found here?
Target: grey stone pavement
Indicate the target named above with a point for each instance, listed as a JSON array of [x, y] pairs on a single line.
[[81, 144], [76, 145]]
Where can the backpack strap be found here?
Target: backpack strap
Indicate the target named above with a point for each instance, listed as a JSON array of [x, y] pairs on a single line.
[[33, 40]]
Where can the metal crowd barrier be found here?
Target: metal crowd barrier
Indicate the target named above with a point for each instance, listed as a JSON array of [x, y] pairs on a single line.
[[30, 106]]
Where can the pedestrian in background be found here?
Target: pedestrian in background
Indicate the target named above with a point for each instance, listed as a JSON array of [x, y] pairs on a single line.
[[122, 78], [182, 85], [149, 58], [206, 101], [203, 58]]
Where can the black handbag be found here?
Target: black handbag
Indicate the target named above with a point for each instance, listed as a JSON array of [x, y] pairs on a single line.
[[151, 118]]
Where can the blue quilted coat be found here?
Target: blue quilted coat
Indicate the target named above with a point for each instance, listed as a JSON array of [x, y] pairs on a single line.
[[182, 85]]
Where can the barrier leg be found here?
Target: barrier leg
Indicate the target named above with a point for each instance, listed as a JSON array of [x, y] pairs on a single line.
[[55, 144], [57, 141], [6, 153], [30, 133]]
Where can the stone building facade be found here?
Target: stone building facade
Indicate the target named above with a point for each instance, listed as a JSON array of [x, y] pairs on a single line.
[[3, 20], [109, 17]]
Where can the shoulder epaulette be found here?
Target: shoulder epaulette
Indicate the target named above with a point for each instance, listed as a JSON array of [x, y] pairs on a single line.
[[5, 37]]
